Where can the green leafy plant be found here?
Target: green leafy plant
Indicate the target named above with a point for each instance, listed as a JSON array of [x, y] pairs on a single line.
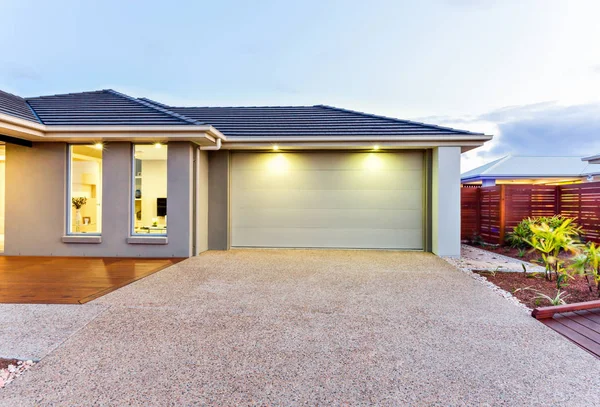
[[78, 202], [550, 241], [588, 265], [558, 299], [522, 232], [521, 253]]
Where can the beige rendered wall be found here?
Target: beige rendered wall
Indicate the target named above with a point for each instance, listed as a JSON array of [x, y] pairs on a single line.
[[218, 200], [201, 201], [36, 203], [445, 202]]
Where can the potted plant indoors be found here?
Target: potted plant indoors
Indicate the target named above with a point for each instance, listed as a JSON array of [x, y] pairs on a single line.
[[77, 204]]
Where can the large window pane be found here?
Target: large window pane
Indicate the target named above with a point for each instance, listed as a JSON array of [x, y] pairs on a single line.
[[150, 189], [85, 189]]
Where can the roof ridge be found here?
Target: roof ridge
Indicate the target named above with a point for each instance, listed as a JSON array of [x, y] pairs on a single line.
[[155, 102], [356, 112], [155, 107], [67, 94], [498, 161], [33, 111], [239, 107]]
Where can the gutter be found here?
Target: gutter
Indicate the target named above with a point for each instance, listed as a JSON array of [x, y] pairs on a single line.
[[217, 146]]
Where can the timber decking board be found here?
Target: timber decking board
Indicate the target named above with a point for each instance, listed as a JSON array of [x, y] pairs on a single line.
[[70, 280], [579, 326]]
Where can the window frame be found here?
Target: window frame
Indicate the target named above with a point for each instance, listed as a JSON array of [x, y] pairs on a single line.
[[132, 214]]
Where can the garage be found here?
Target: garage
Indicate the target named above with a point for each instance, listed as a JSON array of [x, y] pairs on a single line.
[[327, 199]]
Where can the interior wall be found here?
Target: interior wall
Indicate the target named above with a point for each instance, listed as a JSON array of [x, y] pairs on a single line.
[[38, 174], [154, 185]]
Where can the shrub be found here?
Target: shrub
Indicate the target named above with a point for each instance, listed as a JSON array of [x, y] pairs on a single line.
[[549, 242], [522, 233], [588, 265]]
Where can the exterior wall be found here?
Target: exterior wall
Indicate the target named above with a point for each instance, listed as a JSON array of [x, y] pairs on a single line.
[[218, 200], [36, 203], [445, 202], [201, 201]]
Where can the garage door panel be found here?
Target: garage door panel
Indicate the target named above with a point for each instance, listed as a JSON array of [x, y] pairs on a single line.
[[406, 160], [332, 199], [331, 238], [329, 180], [340, 199], [333, 218]]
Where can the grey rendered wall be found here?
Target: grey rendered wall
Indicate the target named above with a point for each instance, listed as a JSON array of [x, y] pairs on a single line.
[[218, 200], [36, 203], [202, 202]]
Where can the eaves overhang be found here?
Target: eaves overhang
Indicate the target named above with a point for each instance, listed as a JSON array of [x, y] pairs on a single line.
[[466, 142], [37, 132]]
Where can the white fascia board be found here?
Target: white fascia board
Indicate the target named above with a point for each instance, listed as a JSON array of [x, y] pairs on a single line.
[[350, 138]]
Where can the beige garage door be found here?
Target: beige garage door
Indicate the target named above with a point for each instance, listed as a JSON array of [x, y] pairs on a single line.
[[327, 199]]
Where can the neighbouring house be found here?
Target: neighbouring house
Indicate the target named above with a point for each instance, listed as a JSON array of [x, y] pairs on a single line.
[[105, 174], [594, 159], [533, 170]]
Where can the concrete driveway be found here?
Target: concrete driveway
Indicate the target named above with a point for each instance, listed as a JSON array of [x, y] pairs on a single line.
[[291, 327]]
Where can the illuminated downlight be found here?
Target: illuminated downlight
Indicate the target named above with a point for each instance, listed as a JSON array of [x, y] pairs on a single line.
[[98, 146], [375, 147], [275, 147], [157, 145]]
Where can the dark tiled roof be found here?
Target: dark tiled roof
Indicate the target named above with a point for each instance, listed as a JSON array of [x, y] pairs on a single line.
[[16, 106], [103, 107], [306, 121]]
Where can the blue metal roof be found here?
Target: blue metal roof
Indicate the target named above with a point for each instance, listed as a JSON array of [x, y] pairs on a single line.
[[16, 106], [319, 120], [103, 107]]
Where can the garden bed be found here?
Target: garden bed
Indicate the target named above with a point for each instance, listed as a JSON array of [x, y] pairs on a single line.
[[527, 288]]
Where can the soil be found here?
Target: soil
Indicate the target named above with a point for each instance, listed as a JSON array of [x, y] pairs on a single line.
[[515, 283], [5, 362]]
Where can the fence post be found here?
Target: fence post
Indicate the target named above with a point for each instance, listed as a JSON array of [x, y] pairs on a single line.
[[478, 212], [502, 213]]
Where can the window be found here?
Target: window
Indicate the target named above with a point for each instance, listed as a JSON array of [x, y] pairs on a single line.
[[149, 189], [85, 189]]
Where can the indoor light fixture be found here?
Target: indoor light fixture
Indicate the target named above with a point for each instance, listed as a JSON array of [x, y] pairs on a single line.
[[98, 146], [157, 145], [275, 147], [375, 147]]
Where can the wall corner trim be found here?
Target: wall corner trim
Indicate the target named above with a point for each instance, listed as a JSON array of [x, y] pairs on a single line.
[[82, 239], [147, 240]]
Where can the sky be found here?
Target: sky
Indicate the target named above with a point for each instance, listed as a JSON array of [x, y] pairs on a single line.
[[525, 71]]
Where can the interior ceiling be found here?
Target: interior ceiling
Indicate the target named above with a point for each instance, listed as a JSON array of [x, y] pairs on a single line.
[[150, 152]]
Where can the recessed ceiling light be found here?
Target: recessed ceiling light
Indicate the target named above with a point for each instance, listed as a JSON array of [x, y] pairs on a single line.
[[98, 146], [275, 147], [375, 147], [157, 145]]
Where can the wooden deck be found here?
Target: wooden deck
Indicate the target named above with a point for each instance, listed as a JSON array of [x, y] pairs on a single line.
[[578, 322], [70, 280]]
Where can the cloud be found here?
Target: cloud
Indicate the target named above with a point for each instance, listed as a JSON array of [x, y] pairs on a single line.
[[538, 129]]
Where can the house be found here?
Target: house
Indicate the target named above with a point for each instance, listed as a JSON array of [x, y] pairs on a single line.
[[594, 159], [513, 169], [106, 174]]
